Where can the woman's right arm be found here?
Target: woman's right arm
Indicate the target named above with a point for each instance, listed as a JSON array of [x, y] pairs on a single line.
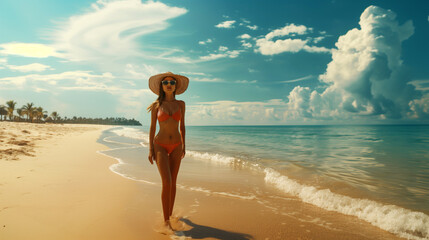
[[152, 131]]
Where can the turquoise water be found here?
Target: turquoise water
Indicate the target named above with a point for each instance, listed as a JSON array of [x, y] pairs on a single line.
[[389, 162], [378, 173]]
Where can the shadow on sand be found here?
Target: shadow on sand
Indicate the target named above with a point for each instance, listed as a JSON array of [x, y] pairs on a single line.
[[200, 232]]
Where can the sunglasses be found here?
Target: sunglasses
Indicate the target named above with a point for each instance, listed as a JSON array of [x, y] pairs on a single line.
[[172, 82]]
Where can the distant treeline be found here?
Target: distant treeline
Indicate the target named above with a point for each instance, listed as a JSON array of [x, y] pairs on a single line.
[[31, 113]]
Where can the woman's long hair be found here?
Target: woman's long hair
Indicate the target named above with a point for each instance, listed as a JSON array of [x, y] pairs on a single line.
[[161, 96]]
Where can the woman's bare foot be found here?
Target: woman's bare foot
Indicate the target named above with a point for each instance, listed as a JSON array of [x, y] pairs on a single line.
[[167, 224]]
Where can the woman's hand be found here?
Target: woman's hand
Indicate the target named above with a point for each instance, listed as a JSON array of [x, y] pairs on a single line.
[[184, 151], [151, 156]]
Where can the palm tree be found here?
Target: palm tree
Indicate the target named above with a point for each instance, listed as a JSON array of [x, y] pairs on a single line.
[[28, 110], [3, 111], [39, 113], [55, 116], [20, 112], [10, 108]]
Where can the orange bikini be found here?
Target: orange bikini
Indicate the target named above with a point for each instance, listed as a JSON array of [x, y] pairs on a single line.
[[163, 116]]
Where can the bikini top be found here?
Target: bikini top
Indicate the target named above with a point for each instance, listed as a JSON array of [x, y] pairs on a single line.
[[163, 116]]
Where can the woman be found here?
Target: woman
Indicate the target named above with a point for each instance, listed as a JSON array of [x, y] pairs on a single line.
[[167, 148]]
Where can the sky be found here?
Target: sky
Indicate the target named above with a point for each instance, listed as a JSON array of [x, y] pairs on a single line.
[[249, 62]]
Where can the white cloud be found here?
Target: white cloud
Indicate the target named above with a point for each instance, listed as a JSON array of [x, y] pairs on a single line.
[[364, 82], [205, 42], [33, 67], [318, 39], [224, 54], [288, 30], [419, 108], [34, 50], [316, 49], [268, 46], [244, 36], [226, 24], [213, 56], [234, 53], [421, 85], [223, 48], [246, 44], [110, 29], [365, 77], [246, 23], [254, 27]]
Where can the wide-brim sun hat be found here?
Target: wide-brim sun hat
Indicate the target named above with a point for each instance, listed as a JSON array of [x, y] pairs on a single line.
[[181, 82]]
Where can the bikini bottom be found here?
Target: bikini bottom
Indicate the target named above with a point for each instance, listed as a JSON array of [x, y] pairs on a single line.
[[168, 147]]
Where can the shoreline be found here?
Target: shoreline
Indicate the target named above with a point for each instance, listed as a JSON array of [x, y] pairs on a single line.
[[199, 185]]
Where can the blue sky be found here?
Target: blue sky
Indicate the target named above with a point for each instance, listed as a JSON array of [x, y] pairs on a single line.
[[249, 62]]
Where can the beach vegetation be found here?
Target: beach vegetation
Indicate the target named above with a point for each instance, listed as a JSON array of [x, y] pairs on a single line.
[[3, 112], [10, 108], [30, 113], [28, 110]]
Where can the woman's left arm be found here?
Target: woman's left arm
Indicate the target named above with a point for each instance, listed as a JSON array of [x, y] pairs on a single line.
[[182, 127]]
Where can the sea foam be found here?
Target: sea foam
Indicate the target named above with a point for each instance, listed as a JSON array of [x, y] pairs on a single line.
[[132, 133], [403, 222]]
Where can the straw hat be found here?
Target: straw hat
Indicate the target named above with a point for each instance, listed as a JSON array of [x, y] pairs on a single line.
[[181, 82]]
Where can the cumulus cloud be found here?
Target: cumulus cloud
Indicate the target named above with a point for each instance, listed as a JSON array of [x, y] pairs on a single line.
[[33, 67], [226, 24], [365, 81], [110, 29], [267, 47], [366, 76], [244, 36], [271, 45], [290, 29]]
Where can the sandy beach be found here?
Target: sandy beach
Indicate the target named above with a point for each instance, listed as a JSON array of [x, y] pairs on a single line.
[[54, 185]]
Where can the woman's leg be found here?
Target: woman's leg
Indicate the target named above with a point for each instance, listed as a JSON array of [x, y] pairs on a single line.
[[163, 164], [175, 159]]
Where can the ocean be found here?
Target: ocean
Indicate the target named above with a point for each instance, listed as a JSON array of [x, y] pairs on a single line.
[[378, 173]]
